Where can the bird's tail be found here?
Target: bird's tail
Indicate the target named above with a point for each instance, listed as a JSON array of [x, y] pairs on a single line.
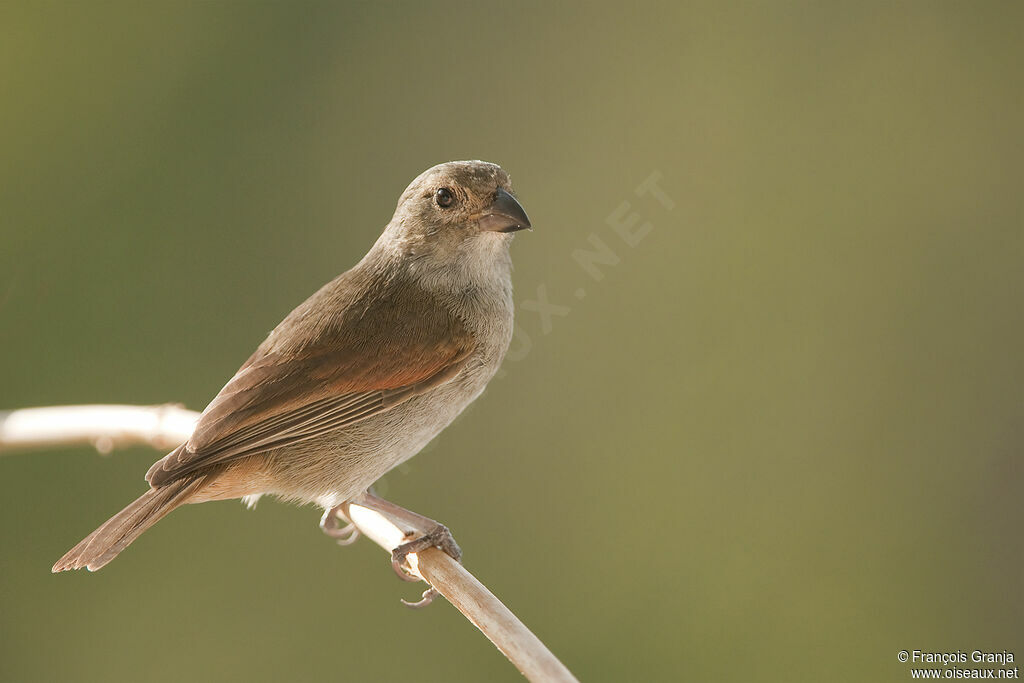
[[103, 545]]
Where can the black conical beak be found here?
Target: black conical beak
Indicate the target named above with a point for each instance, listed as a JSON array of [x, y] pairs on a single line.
[[504, 214]]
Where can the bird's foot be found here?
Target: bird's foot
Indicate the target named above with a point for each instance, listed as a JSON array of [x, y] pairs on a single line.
[[421, 533], [438, 537], [329, 524]]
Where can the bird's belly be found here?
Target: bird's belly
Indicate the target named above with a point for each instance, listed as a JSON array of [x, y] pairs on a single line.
[[339, 466]]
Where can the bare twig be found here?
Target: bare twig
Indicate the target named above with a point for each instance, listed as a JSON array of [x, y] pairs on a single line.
[[105, 427], [112, 426]]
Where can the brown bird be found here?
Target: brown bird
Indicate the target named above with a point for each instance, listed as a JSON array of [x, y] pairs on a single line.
[[362, 374]]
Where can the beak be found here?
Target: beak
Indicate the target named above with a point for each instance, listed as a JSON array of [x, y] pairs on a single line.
[[503, 215]]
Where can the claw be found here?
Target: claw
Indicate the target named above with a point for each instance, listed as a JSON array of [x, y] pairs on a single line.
[[398, 556], [347, 535], [344, 535], [428, 597]]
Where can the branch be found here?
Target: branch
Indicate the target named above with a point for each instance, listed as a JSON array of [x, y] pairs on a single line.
[[105, 427], [112, 426]]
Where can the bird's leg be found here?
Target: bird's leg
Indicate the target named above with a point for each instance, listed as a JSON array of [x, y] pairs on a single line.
[[422, 533], [344, 535]]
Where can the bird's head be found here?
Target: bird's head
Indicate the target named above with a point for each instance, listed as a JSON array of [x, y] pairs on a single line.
[[456, 216]]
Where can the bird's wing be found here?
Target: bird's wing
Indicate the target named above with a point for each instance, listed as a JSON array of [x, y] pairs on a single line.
[[287, 392]]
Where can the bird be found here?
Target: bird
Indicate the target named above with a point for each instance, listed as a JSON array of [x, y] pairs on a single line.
[[360, 376]]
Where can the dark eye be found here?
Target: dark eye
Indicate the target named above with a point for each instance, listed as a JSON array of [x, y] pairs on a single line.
[[444, 197]]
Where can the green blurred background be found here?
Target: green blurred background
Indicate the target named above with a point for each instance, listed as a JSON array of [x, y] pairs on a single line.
[[779, 440]]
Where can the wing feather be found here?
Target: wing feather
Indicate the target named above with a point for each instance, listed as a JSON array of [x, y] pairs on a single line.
[[317, 374]]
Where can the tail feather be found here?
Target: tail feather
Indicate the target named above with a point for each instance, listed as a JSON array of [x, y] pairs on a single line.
[[103, 545]]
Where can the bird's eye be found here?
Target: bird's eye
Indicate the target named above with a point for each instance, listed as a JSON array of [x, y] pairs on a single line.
[[444, 197]]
